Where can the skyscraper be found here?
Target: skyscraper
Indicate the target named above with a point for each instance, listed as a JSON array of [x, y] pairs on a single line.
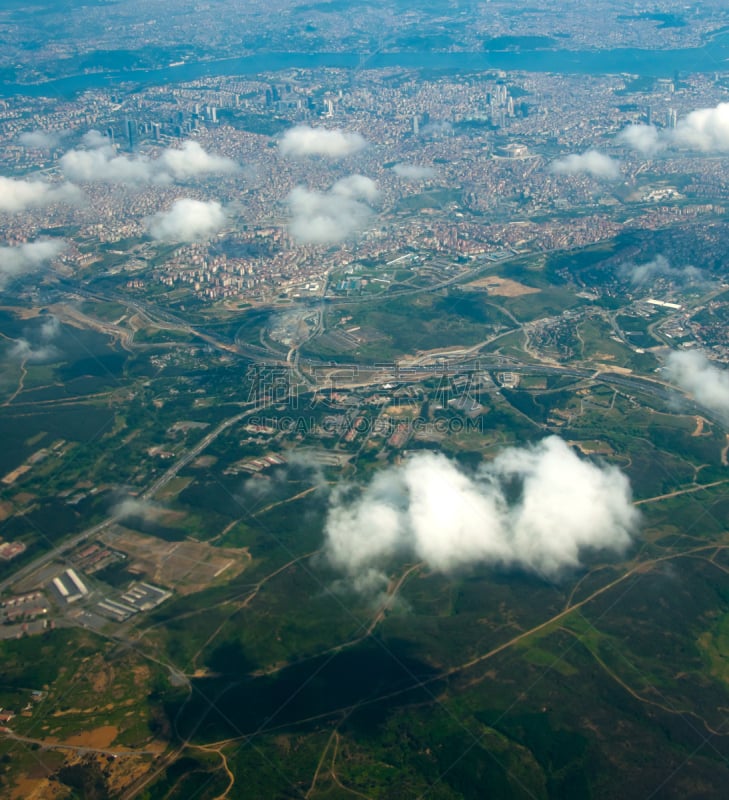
[[131, 133]]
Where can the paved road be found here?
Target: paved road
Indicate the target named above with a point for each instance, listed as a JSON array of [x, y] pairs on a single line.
[[194, 452], [63, 548], [653, 387], [57, 552], [76, 748]]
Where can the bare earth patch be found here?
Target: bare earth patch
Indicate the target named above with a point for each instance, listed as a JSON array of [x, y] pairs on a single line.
[[186, 566], [98, 737], [36, 789], [204, 462], [611, 367], [502, 287], [595, 448], [103, 677], [22, 313]]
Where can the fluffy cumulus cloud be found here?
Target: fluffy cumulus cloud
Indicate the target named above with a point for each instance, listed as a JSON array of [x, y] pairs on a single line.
[[437, 129], [94, 138], [660, 267], [591, 162], [538, 508], [705, 129], [306, 141], [134, 508], [187, 221], [41, 348], [694, 373], [192, 161], [99, 162], [331, 216], [644, 139], [50, 328], [103, 165], [29, 257], [19, 195], [23, 350], [413, 172], [41, 140]]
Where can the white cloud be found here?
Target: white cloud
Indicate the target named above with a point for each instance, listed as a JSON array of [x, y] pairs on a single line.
[[705, 129], [643, 138], [94, 138], [437, 129], [694, 373], [131, 508], [413, 172], [19, 195], [187, 221], [331, 216], [100, 163], [41, 140], [590, 162], [50, 328], [103, 165], [23, 350], [358, 187], [27, 257], [660, 267], [191, 161], [429, 509], [306, 141]]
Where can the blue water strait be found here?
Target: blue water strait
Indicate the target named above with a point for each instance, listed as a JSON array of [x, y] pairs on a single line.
[[712, 56]]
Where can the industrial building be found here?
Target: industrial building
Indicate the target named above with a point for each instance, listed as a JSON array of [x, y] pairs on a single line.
[[144, 597], [70, 587]]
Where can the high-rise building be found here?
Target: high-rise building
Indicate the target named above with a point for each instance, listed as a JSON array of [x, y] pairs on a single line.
[[132, 133], [672, 118], [416, 124], [156, 131]]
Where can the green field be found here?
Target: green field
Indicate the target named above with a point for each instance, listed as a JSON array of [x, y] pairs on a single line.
[[277, 678]]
